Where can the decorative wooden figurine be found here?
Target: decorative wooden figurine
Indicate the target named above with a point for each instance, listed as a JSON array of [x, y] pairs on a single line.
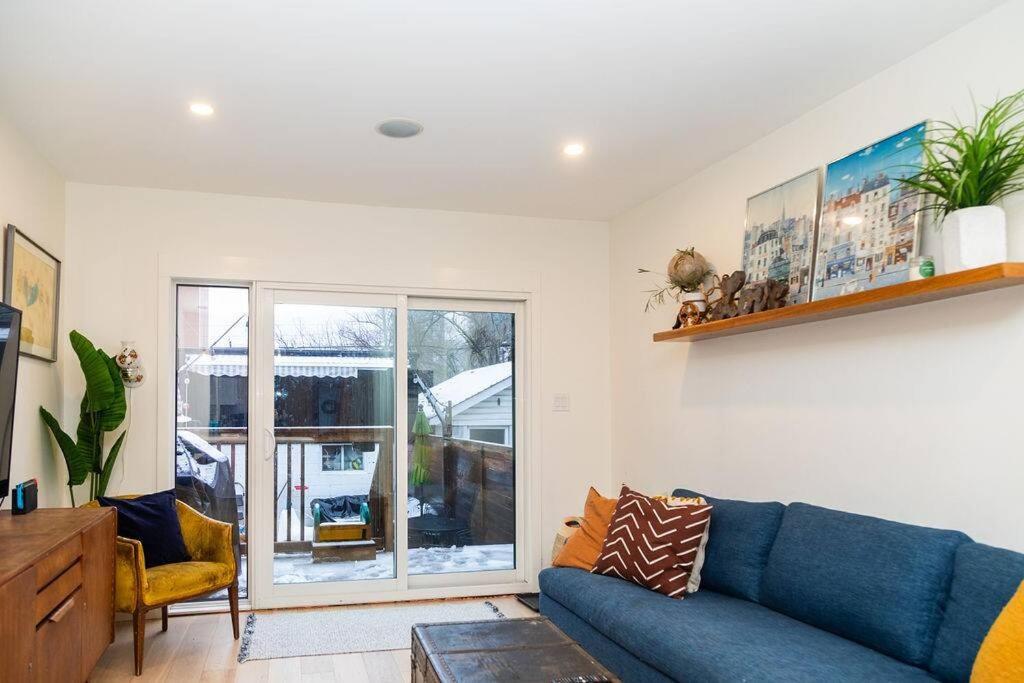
[[777, 293], [689, 315], [763, 296], [725, 306]]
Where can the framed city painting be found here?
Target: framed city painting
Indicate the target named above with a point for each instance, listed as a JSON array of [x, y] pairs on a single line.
[[778, 242], [32, 285], [869, 227]]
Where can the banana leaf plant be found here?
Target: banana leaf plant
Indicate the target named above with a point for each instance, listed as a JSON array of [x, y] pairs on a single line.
[[103, 410]]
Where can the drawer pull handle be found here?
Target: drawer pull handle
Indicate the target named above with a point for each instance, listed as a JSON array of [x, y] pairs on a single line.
[[62, 610]]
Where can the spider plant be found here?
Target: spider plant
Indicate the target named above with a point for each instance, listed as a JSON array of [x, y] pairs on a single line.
[[979, 164]]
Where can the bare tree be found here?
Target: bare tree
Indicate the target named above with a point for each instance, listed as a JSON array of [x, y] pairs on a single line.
[[444, 343]]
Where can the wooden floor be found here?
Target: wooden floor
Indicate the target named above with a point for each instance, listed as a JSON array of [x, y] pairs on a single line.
[[200, 648]]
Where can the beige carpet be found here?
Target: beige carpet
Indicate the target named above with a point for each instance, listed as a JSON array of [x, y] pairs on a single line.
[[337, 630]]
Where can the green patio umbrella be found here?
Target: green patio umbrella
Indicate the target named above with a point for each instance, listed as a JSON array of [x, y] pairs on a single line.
[[420, 471]]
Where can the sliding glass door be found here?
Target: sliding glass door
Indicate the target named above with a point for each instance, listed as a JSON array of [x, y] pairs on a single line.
[[461, 439], [330, 413], [380, 434]]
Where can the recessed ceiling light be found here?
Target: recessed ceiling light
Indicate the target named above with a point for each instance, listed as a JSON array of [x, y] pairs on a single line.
[[574, 149], [201, 109], [399, 128]]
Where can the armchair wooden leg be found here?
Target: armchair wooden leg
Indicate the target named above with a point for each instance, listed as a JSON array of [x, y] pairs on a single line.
[[139, 632], [233, 599], [163, 617]]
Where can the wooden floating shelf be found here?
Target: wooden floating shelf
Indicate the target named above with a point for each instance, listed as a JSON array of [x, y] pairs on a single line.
[[971, 281]]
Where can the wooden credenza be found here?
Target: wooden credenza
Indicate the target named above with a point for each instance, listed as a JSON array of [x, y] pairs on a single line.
[[56, 593]]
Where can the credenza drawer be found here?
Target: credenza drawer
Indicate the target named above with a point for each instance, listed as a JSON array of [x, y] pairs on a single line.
[[54, 564], [48, 599], [59, 642], [56, 593]]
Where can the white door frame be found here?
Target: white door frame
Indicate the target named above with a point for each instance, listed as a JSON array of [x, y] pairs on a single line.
[[446, 284]]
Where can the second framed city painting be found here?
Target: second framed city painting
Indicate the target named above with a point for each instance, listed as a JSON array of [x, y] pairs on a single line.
[[869, 222], [778, 242]]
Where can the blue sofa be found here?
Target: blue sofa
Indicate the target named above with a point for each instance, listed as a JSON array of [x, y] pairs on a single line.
[[798, 593]]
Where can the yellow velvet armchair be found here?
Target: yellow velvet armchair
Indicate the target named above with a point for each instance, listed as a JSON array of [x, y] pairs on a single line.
[[212, 568]]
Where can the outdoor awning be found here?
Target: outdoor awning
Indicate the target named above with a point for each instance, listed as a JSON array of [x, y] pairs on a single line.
[[290, 366]]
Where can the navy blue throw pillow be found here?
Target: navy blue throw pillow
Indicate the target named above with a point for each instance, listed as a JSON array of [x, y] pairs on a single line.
[[153, 520]]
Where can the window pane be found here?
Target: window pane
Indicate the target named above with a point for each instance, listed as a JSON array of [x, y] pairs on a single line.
[[461, 441], [334, 417], [212, 417]]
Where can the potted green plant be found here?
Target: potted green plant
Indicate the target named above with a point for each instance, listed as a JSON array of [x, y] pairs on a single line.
[[967, 170], [103, 409], [686, 273]]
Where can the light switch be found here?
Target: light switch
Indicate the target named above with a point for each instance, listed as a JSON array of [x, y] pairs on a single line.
[[561, 403]]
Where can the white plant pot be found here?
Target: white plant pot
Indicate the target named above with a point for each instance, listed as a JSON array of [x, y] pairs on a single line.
[[698, 299], [974, 237]]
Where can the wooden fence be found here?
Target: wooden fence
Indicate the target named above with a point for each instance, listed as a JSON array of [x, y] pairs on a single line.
[[474, 479]]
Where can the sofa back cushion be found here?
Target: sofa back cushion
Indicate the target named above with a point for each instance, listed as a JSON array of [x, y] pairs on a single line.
[[882, 584], [984, 580], [740, 538]]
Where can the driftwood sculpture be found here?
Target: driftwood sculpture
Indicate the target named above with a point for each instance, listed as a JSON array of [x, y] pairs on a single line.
[[763, 296], [725, 306], [753, 299], [777, 293]]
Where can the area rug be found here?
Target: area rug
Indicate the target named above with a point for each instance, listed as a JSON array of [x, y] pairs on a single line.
[[338, 630]]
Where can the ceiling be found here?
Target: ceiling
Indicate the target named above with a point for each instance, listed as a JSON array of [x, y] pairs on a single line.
[[656, 90]]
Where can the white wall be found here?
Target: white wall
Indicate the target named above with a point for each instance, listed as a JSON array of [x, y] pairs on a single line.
[[911, 414], [32, 198], [118, 237]]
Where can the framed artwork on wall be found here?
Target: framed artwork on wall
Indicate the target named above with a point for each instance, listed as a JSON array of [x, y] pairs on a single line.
[[778, 241], [869, 227], [32, 285]]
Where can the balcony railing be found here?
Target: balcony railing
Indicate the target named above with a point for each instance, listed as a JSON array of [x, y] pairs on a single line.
[[470, 479], [292, 443]]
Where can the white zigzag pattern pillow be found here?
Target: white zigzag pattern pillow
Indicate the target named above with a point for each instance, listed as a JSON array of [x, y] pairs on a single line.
[[653, 545]]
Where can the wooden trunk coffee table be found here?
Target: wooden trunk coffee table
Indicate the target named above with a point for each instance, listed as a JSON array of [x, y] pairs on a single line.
[[500, 650]]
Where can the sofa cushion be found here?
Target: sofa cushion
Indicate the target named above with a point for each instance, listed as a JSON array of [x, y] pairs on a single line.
[[651, 544], [617, 659], [880, 583], [737, 550], [1001, 657], [714, 637], [984, 579], [582, 548]]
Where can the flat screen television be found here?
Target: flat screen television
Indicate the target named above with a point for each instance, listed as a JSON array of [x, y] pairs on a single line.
[[10, 341]]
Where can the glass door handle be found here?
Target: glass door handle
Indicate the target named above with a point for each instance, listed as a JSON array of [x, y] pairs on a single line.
[[273, 443]]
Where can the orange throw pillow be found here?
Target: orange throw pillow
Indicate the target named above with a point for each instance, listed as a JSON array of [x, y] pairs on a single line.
[[584, 547]]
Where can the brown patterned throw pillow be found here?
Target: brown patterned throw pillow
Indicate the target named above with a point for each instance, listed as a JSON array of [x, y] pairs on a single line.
[[652, 544]]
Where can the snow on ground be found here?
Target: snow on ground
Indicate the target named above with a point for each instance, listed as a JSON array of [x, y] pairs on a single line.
[[300, 568]]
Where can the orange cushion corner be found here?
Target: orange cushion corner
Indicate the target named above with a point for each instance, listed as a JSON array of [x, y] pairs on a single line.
[[584, 547], [1001, 657]]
